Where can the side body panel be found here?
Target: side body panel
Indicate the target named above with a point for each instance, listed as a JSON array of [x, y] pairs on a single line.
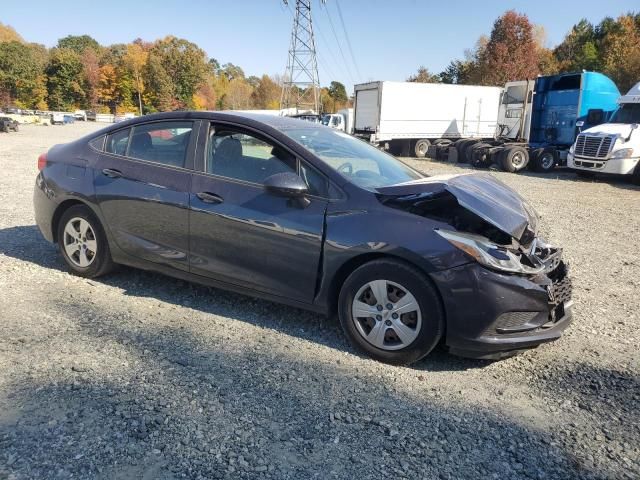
[[146, 209], [255, 239], [422, 110]]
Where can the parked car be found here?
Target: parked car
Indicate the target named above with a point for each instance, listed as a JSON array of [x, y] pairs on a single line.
[[57, 119], [8, 124], [302, 214], [80, 115]]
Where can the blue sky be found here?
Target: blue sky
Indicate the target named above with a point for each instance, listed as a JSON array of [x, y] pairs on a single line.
[[389, 38]]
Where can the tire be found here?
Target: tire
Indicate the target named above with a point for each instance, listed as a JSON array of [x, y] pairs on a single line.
[[462, 147], [467, 150], [422, 327], [421, 147], [635, 177], [94, 259], [479, 159], [514, 159], [545, 159]]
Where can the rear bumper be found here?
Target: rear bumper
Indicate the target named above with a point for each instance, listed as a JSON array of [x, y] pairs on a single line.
[[614, 166], [44, 208], [492, 315]]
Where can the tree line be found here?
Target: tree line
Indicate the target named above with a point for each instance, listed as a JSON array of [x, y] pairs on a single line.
[[168, 74], [515, 50], [172, 73]]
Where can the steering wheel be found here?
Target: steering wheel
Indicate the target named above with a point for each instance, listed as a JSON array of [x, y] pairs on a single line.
[[346, 167]]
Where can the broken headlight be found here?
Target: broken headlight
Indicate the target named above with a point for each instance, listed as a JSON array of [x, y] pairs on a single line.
[[488, 254]]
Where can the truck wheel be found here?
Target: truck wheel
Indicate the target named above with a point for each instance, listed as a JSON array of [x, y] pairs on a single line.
[[479, 154], [545, 159], [514, 159], [468, 150], [421, 147], [462, 150], [635, 178]]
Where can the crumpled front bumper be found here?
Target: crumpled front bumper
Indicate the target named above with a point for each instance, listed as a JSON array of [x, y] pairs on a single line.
[[492, 315]]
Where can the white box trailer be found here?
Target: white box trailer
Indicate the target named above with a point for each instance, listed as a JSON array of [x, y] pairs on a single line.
[[407, 117]]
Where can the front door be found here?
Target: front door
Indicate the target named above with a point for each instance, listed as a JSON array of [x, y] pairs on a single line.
[[241, 234], [142, 183]]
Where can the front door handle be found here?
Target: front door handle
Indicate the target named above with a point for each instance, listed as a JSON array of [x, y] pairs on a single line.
[[112, 173], [208, 197]]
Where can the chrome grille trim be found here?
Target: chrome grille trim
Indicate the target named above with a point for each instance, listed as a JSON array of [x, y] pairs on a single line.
[[593, 146]]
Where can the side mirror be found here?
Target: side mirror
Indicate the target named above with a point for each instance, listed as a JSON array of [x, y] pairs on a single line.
[[579, 123], [634, 126], [286, 184]]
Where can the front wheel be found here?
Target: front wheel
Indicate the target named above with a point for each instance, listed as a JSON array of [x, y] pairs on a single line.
[[545, 159], [83, 243], [390, 311]]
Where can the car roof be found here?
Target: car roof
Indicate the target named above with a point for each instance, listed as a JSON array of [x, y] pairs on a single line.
[[274, 121]]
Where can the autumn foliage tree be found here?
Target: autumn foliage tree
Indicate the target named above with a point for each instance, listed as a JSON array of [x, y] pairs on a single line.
[[511, 52]]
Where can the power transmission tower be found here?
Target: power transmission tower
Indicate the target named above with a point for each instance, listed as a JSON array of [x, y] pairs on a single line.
[[301, 87]]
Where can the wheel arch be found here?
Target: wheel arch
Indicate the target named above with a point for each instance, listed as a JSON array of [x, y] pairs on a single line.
[[59, 211], [349, 266]]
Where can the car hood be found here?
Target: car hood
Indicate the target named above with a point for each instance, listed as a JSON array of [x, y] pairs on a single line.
[[479, 193]]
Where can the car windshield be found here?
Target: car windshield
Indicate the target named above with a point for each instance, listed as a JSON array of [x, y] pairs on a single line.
[[627, 113], [357, 161]]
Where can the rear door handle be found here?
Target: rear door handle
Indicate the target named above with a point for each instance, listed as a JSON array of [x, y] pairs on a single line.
[[112, 173], [208, 197]]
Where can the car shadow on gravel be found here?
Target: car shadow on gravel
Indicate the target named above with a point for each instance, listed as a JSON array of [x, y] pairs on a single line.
[[26, 243], [162, 402]]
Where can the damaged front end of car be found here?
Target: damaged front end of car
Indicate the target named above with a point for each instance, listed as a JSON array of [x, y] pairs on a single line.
[[518, 287]]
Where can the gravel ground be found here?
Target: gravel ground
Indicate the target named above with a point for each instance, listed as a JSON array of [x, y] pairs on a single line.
[[137, 375]]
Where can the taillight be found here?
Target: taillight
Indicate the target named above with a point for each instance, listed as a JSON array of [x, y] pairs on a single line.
[[42, 161]]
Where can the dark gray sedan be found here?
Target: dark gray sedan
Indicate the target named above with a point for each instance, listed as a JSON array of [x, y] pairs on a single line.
[[305, 215]]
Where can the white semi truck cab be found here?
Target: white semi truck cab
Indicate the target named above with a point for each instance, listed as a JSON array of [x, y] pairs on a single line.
[[612, 147]]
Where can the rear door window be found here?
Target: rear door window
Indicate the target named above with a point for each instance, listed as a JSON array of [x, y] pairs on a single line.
[[162, 142], [117, 142]]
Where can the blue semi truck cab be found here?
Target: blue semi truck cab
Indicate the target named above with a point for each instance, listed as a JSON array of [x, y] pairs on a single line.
[[540, 119], [563, 105]]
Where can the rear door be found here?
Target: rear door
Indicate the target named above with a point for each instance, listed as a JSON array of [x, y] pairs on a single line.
[[142, 182], [242, 235], [367, 108]]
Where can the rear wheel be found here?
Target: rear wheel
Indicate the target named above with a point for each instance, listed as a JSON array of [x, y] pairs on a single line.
[[479, 155], [82, 242], [545, 159], [421, 147], [514, 159], [390, 311], [462, 150]]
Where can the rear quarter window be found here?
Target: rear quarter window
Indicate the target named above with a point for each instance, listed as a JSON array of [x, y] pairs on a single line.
[[117, 142], [97, 143]]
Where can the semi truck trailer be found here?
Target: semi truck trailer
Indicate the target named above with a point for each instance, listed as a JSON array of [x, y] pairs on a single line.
[[538, 122], [406, 117], [613, 147]]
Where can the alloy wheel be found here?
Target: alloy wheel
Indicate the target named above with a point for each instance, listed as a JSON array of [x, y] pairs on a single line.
[[386, 314], [79, 242]]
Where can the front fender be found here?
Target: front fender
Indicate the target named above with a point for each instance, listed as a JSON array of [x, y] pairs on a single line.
[[353, 237]]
